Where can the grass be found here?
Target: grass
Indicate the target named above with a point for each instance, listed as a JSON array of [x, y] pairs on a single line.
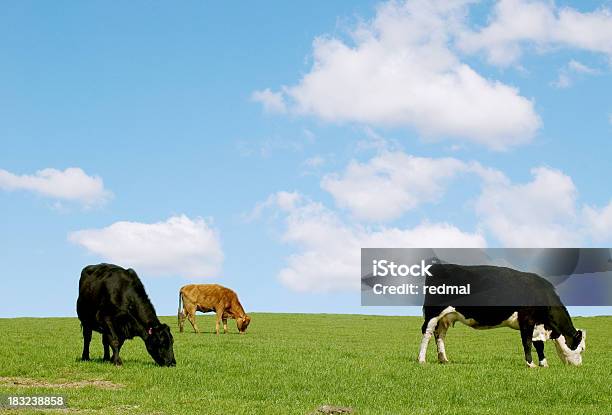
[[294, 363]]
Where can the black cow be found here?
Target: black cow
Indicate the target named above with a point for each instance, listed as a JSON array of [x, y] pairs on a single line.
[[113, 301], [539, 313]]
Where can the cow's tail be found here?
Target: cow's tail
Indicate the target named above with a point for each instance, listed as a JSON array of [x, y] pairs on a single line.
[[180, 304], [180, 308]]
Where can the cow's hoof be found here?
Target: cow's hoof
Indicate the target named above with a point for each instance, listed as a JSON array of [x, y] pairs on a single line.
[[421, 362], [543, 363], [85, 359], [106, 359], [530, 365], [442, 359]]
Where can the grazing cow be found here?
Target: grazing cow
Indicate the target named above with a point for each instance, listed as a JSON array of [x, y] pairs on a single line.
[[211, 297], [536, 322], [113, 301]]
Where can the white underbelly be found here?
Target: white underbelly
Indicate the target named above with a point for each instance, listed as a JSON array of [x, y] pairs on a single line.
[[449, 316]]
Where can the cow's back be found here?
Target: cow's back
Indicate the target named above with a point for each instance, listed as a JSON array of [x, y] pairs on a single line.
[[490, 286], [208, 296], [106, 288]]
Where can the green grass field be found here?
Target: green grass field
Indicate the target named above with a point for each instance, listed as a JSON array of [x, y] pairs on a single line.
[[294, 363]]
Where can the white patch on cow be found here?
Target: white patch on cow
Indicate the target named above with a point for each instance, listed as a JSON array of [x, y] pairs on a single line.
[[440, 343], [540, 333], [449, 316], [530, 364], [426, 336], [567, 355], [511, 321], [431, 326]]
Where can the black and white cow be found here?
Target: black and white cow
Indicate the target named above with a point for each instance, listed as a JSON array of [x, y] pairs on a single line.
[[539, 316], [113, 301]]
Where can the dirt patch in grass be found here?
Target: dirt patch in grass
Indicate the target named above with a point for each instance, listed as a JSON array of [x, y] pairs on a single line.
[[332, 410], [39, 383]]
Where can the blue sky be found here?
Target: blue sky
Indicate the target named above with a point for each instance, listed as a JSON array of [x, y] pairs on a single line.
[[260, 146]]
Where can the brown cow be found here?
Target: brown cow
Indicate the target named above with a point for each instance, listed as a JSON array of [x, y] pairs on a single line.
[[211, 297]]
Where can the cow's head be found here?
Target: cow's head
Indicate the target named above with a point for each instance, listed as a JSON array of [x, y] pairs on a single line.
[[159, 344], [570, 350], [243, 323]]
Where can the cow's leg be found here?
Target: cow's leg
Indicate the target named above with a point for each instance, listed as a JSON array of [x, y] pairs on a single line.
[[115, 341], [539, 346], [116, 344], [191, 316], [526, 337], [440, 334], [181, 321], [427, 330], [224, 325], [86, 341], [219, 318], [106, 346]]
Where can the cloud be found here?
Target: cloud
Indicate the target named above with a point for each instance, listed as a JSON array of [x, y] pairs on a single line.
[[599, 222], [71, 184], [581, 68], [390, 184], [285, 201], [180, 246], [313, 165], [328, 249], [271, 101], [314, 162], [543, 212], [399, 70], [563, 81], [540, 213], [519, 23], [573, 67]]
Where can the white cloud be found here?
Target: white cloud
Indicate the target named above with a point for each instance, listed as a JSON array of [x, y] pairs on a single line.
[[313, 165], [179, 246], [328, 257], [517, 23], [599, 222], [314, 162], [399, 71], [271, 101], [573, 67], [541, 213], [71, 184], [391, 184], [563, 81], [579, 67]]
